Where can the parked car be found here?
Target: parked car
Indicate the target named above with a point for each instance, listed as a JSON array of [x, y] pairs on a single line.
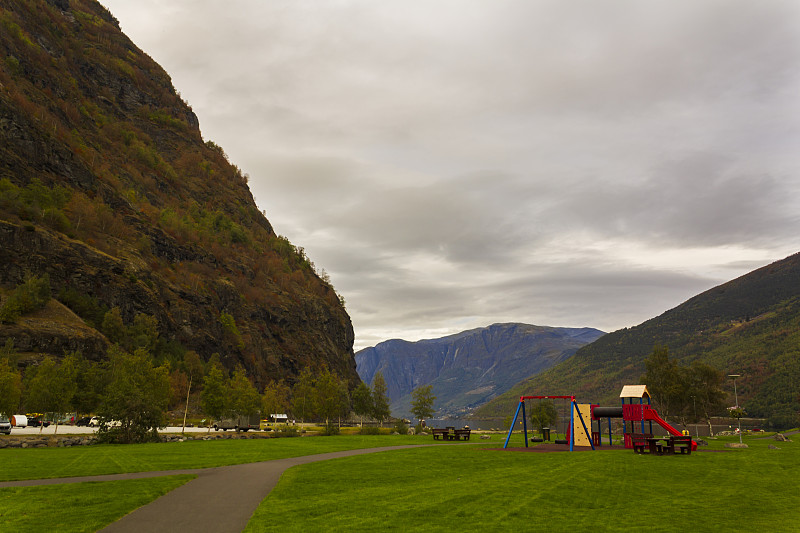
[[36, 422], [83, 421], [5, 425], [94, 422]]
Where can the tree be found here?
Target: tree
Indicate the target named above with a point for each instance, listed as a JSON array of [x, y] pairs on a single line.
[[543, 414], [213, 397], [665, 382], [706, 391], [362, 401], [136, 398], [52, 386], [380, 400], [244, 398], [275, 399], [113, 327], [422, 402], [10, 388], [330, 397], [303, 395]]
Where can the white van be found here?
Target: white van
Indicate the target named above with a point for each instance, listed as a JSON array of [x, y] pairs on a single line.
[[5, 425]]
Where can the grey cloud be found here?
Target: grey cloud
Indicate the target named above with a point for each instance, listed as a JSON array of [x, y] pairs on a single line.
[[454, 163]]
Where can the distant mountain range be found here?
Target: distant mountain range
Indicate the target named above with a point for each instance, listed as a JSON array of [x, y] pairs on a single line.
[[469, 368], [749, 326]]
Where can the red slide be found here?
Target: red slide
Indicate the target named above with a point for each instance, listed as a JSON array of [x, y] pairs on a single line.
[[651, 414]]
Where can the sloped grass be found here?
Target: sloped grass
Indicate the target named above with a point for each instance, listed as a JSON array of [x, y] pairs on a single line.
[[470, 488], [78, 506], [39, 463]]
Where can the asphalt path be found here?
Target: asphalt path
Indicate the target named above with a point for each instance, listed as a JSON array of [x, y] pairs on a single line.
[[219, 500]]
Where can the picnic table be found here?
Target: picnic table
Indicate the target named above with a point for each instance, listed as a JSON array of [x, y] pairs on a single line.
[[669, 445], [451, 433]]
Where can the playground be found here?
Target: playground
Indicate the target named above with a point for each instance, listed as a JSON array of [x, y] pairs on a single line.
[[584, 429]]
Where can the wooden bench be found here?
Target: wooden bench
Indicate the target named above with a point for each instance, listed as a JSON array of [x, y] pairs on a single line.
[[639, 441], [680, 445], [461, 434], [440, 434]]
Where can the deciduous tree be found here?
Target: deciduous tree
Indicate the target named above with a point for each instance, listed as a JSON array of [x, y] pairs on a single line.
[[362, 401], [135, 401], [380, 399], [213, 397], [422, 399]]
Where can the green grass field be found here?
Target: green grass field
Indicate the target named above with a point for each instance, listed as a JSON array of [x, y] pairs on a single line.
[[78, 506], [430, 488], [39, 463], [433, 489]]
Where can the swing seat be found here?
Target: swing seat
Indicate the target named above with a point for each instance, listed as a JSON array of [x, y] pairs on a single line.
[[561, 441]]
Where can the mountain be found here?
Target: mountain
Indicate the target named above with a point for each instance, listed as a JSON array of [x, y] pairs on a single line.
[[108, 187], [469, 368], [748, 326]]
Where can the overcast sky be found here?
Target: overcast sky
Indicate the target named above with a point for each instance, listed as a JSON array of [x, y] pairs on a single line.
[[452, 164]]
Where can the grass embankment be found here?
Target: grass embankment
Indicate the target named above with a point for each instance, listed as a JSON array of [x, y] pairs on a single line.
[[434, 489]]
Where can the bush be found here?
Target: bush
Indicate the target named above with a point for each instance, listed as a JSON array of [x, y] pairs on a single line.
[[401, 427], [285, 431], [27, 297], [330, 429]]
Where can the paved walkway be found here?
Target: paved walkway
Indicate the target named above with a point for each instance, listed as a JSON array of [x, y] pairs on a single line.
[[219, 500]]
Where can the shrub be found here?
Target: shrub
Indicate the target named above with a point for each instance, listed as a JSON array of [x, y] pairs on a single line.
[[31, 295], [401, 427], [330, 429]]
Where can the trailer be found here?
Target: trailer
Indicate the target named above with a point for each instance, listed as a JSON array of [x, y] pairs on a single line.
[[238, 423]]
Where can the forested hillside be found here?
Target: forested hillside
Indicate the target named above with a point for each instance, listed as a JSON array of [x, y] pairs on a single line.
[[108, 187], [748, 326]]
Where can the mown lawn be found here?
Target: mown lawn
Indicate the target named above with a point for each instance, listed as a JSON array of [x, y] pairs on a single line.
[[476, 489], [39, 463], [78, 506]]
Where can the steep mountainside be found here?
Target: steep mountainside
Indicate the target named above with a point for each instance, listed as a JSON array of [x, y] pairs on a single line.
[[469, 368], [748, 326], [107, 186]]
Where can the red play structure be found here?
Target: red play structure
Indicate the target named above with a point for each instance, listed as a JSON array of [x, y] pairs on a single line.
[[634, 412]]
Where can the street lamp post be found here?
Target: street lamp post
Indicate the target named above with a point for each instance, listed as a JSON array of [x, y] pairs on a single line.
[[736, 396]]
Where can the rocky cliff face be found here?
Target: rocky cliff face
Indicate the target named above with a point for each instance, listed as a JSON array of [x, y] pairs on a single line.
[[107, 185], [469, 368]]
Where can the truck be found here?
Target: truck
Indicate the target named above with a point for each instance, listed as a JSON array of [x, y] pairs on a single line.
[[239, 423]]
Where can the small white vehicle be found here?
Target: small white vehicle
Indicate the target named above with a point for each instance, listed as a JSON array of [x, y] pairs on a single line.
[[5, 425]]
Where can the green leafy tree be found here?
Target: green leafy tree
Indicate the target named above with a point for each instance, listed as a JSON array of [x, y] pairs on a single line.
[[143, 333], [422, 399], [136, 398], [113, 327], [330, 398], [303, 395], [362, 401], [10, 388], [543, 414], [380, 399], [214, 395], [91, 380], [244, 398], [275, 399], [707, 395], [52, 386], [666, 382]]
